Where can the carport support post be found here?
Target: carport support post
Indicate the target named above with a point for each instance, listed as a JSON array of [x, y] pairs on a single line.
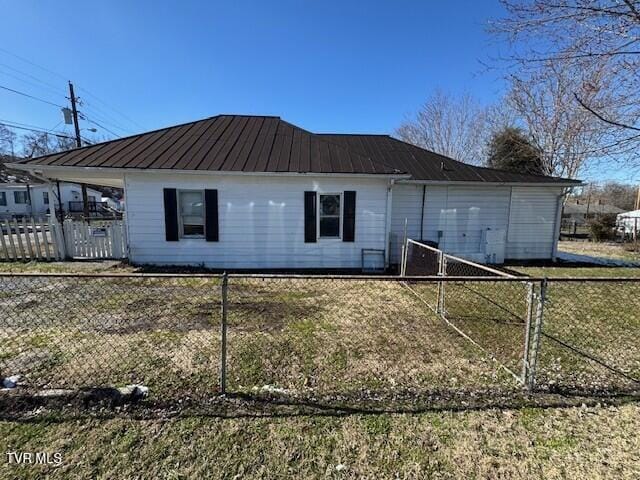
[[223, 335], [537, 333]]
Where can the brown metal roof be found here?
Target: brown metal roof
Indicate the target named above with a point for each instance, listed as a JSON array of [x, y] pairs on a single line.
[[426, 165], [223, 143], [243, 143]]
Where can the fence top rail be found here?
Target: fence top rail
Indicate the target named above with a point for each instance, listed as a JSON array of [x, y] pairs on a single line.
[[462, 260], [283, 276]]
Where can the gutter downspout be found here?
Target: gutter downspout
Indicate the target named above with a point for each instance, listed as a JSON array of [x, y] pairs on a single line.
[[424, 196], [387, 233], [558, 223]]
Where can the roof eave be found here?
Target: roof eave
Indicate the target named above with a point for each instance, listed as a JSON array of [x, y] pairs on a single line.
[[52, 168], [557, 183]]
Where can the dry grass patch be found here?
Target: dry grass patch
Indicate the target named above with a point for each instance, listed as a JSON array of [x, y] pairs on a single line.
[[317, 336], [595, 443]]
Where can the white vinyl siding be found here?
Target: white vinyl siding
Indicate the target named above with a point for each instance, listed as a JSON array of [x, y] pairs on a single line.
[[261, 221]]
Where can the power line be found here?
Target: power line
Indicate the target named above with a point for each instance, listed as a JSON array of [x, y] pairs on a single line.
[[50, 86], [32, 63], [103, 116], [31, 128], [101, 126], [84, 116], [57, 74], [112, 108], [27, 82], [30, 96]]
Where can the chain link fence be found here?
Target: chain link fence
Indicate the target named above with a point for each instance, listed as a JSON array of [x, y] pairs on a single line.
[[590, 335], [190, 338], [63, 334]]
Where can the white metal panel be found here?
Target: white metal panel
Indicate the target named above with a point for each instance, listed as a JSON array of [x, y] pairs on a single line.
[[469, 211], [461, 213], [532, 217], [261, 222], [406, 204]]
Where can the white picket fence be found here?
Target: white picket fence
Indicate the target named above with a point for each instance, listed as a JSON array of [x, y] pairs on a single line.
[[47, 239]]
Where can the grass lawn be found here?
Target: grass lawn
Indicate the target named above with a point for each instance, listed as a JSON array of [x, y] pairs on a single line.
[[313, 339], [596, 442], [599, 249]]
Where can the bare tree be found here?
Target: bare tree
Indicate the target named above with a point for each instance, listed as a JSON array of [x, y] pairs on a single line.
[[583, 34], [569, 137], [455, 127], [7, 142], [37, 144]]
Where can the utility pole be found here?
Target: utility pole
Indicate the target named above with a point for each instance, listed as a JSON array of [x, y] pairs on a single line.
[[74, 111], [637, 206]]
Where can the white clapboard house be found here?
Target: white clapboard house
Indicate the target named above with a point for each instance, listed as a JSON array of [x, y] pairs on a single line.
[[256, 192], [20, 199]]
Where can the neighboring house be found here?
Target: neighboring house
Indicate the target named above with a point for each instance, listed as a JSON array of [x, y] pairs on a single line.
[[579, 211], [628, 223], [27, 200], [236, 191], [112, 203]]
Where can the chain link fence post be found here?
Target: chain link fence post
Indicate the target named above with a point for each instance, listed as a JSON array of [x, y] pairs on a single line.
[[223, 334], [537, 333], [442, 272], [405, 246], [531, 295]]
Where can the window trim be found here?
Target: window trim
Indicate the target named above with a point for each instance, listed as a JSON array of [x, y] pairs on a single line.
[[26, 197], [340, 215], [3, 203], [181, 233]]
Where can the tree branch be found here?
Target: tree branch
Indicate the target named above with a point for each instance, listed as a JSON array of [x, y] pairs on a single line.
[[604, 119]]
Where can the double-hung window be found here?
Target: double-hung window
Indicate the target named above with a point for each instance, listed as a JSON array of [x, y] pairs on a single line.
[[330, 211], [3, 199], [45, 198], [191, 213], [20, 197]]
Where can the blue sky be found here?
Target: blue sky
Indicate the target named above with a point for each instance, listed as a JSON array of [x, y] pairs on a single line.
[[341, 66], [347, 66]]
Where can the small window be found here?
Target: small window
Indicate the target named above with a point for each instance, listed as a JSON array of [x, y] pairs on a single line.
[[3, 199], [45, 197], [329, 215], [191, 203], [20, 197]]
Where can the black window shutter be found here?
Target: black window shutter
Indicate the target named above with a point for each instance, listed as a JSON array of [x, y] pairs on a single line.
[[171, 214], [211, 215], [309, 217], [349, 219]]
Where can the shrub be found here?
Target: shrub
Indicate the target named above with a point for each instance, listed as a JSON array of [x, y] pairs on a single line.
[[602, 227]]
